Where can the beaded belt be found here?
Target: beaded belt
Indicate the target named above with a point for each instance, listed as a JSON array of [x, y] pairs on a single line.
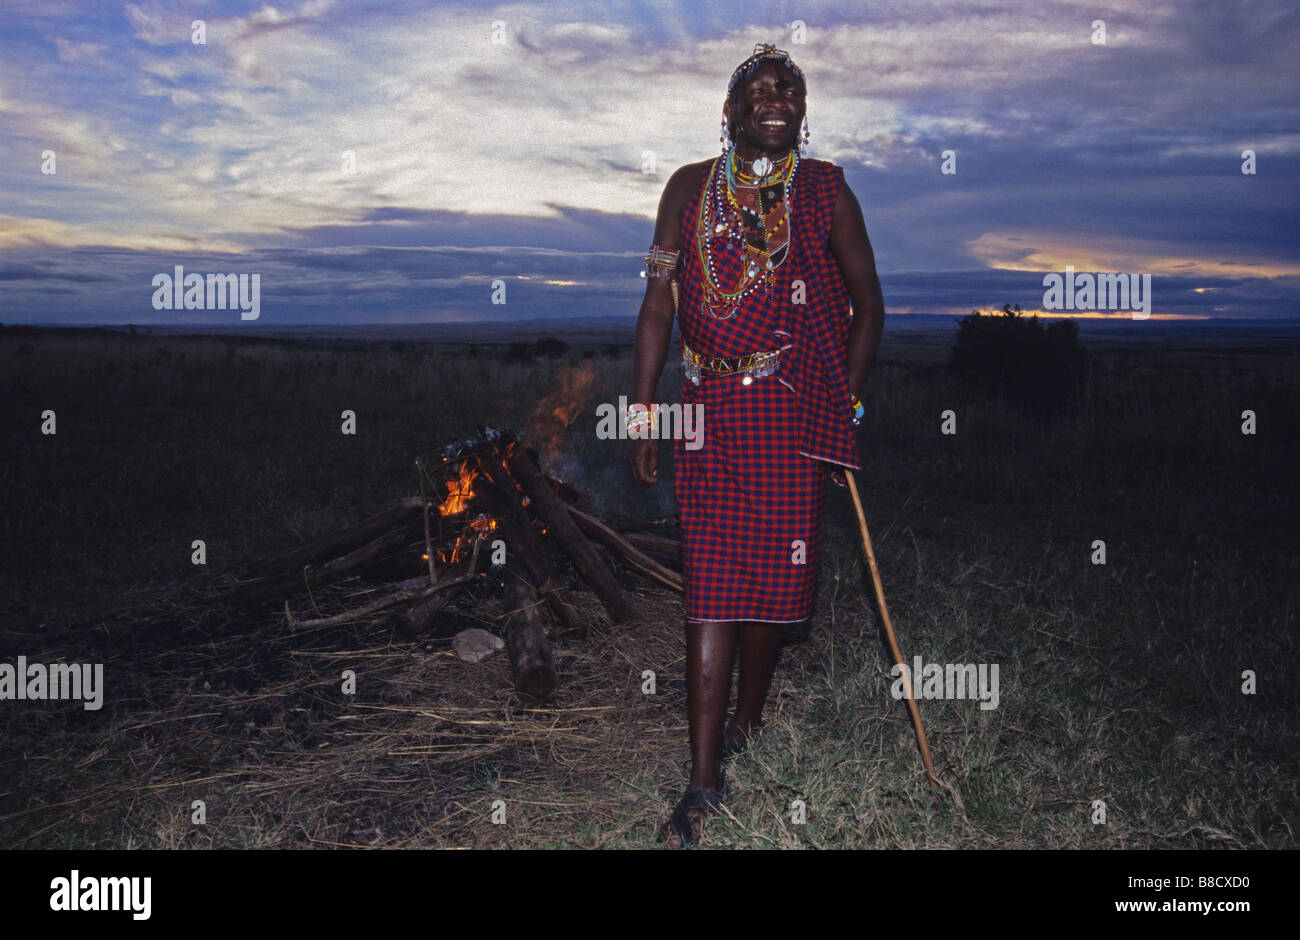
[[751, 366]]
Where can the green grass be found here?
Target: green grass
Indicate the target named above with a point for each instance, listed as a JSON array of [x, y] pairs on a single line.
[[1119, 683]]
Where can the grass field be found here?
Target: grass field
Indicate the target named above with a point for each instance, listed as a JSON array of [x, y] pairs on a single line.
[[1120, 682]]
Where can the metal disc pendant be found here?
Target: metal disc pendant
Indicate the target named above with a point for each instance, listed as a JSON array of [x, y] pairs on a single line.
[[762, 166]]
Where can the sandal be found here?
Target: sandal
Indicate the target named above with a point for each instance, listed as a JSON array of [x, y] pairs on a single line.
[[679, 823]]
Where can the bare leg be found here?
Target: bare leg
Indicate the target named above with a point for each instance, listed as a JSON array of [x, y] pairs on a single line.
[[760, 645], [710, 648]]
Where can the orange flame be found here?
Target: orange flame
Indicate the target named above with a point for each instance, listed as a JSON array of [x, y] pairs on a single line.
[[477, 529], [459, 492], [558, 410]]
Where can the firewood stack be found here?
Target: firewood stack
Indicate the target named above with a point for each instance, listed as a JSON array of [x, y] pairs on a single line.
[[481, 496]]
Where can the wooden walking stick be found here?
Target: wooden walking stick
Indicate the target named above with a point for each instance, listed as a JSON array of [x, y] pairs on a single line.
[[889, 633]]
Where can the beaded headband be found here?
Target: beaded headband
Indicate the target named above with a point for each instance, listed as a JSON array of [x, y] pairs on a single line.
[[762, 52]]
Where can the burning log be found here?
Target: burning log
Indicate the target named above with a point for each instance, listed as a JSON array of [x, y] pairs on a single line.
[[628, 552], [414, 589], [281, 585], [415, 619], [654, 544], [530, 653], [418, 617], [411, 561], [487, 484], [554, 512], [502, 501], [622, 523], [569, 493], [341, 542]]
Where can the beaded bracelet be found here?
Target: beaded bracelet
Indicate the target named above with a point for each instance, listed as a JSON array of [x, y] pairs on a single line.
[[644, 417], [640, 420], [858, 411]]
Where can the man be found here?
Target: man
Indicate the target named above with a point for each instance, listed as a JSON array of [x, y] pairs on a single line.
[[767, 251]]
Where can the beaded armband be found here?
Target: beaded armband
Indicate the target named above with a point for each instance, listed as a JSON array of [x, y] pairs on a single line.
[[660, 262]]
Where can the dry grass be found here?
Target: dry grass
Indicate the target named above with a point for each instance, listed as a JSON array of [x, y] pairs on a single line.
[[1118, 683]]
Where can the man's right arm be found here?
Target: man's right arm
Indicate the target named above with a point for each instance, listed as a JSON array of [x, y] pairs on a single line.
[[654, 324]]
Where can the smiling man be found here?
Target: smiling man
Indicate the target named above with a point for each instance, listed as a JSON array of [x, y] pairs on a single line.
[[768, 251]]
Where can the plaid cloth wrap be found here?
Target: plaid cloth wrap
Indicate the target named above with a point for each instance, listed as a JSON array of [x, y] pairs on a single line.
[[813, 335], [751, 498]]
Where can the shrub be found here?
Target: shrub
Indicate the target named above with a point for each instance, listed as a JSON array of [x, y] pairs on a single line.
[[519, 352], [550, 346], [1030, 365]]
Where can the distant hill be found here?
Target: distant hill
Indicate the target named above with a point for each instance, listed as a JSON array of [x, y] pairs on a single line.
[[620, 329]]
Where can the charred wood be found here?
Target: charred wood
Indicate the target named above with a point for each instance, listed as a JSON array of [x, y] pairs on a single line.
[[628, 552], [555, 514], [530, 653], [499, 495], [341, 542]]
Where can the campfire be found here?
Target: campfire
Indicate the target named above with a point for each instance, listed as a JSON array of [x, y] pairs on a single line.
[[486, 513]]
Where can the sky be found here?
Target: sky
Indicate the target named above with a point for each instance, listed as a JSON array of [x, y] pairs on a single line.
[[399, 162]]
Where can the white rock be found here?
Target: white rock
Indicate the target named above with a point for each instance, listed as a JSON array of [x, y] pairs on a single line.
[[475, 645]]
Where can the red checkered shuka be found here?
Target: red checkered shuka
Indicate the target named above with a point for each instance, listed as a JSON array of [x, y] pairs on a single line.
[[751, 497]]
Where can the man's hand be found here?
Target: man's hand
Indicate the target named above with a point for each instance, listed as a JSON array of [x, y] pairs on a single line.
[[644, 460]]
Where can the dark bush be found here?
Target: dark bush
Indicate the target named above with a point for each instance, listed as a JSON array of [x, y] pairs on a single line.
[[1030, 365], [550, 346], [519, 352]]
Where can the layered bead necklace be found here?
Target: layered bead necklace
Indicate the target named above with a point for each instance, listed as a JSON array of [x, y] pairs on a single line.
[[752, 209]]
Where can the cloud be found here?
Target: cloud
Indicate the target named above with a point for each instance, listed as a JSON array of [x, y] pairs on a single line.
[[319, 124], [154, 24], [17, 233], [1052, 251], [79, 53]]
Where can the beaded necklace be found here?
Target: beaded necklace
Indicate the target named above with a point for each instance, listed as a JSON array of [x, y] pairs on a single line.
[[720, 207]]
